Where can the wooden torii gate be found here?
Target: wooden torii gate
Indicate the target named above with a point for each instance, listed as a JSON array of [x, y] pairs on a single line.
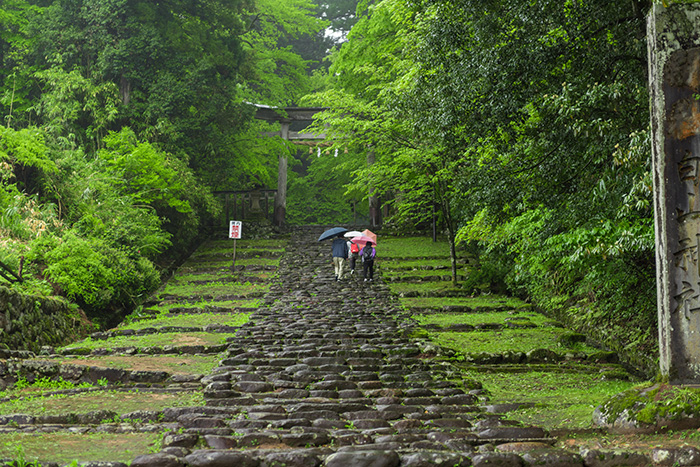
[[285, 116]]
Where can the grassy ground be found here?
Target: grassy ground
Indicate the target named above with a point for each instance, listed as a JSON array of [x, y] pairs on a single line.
[[26, 402], [183, 320], [560, 397], [154, 340], [73, 448], [411, 247], [191, 307]]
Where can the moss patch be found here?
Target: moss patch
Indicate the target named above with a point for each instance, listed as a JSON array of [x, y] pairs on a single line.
[[654, 404], [67, 447], [184, 320], [476, 303], [121, 402], [474, 319], [154, 340], [562, 399], [505, 340]]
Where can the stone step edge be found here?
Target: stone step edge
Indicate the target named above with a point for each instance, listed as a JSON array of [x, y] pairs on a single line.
[[210, 328]]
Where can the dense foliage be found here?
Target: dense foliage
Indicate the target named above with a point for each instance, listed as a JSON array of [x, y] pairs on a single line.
[[119, 118], [526, 126], [521, 127]]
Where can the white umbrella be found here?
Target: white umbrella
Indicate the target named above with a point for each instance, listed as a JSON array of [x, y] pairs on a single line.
[[353, 233]]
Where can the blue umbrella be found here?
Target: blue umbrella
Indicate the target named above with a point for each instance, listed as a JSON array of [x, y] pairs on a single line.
[[330, 233]]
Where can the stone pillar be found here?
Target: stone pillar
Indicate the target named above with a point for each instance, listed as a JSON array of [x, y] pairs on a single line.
[[281, 196], [374, 208], [674, 74], [255, 201]]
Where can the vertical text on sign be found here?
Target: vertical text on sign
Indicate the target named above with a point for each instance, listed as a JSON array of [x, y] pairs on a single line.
[[234, 230]]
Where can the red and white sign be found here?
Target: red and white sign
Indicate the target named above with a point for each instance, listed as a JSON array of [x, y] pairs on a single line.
[[234, 230]]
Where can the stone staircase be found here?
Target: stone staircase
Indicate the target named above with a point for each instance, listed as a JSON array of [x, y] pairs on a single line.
[[323, 373]]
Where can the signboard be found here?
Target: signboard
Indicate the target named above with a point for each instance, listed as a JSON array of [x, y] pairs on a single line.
[[234, 230]]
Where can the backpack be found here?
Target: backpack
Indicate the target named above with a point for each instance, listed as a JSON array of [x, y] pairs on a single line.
[[354, 249], [367, 253]]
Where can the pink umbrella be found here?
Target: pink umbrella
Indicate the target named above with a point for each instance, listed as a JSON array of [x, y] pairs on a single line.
[[363, 239], [370, 234]]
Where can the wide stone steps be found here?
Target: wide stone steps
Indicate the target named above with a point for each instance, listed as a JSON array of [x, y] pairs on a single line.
[[324, 373]]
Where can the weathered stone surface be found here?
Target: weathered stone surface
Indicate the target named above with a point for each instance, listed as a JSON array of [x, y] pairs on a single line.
[[253, 386], [607, 458], [363, 459], [182, 440], [430, 459], [521, 447], [291, 459], [157, 460], [680, 457], [552, 458], [512, 432], [209, 458], [497, 459], [221, 442]]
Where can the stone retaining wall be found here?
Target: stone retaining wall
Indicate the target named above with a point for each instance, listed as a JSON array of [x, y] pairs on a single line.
[[29, 322]]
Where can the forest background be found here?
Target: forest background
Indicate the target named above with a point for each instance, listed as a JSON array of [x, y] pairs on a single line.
[[524, 125]]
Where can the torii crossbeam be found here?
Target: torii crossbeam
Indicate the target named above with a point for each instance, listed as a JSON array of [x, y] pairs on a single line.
[[285, 116]]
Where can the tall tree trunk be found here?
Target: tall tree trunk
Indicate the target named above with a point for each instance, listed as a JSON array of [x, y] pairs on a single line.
[[374, 208], [441, 191]]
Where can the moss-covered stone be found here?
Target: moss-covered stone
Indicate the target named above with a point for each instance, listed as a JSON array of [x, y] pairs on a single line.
[[649, 409], [30, 322]]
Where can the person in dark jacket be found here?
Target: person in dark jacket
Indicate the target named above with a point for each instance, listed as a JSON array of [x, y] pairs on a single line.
[[339, 250], [368, 253]]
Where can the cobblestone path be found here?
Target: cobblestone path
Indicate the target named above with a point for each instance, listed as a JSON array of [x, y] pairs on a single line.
[[327, 374], [324, 373]]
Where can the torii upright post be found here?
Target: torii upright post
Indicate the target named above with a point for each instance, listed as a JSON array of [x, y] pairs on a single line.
[[674, 74], [281, 196], [286, 115]]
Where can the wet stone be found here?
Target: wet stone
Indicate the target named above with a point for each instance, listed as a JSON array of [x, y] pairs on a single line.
[[253, 387], [195, 421], [289, 423], [403, 425], [460, 399], [518, 447], [400, 438], [333, 385], [305, 439], [496, 459], [291, 459], [513, 433], [350, 394], [176, 451], [461, 445], [293, 394], [451, 409], [449, 423], [607, 458], [361, 459], [209, 458], [426, 445], [326, 394], [368, 424], [182, 440], [221, 442], [366, 415], [683, 456], [157, 460], [444, 437], [353, 439], [329, 424], [552, 457]]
